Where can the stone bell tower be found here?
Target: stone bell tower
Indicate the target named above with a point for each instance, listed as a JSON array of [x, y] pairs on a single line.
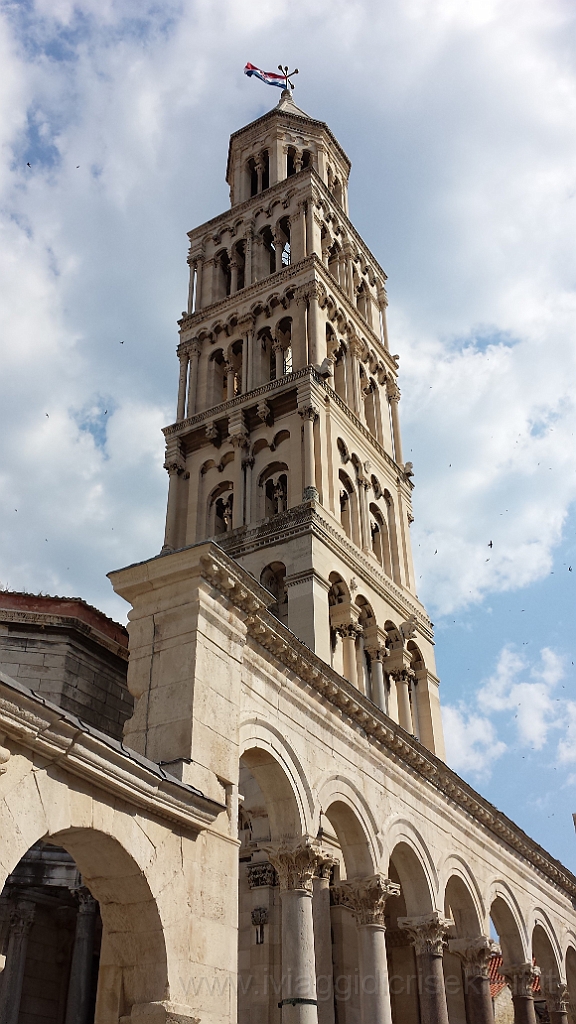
[[286, 447]]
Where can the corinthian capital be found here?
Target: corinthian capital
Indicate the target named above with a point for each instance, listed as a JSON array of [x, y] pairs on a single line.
[[392, 390], [557, 997], [309, 412], [521, 978], [22, 917], [475, 954], [428, 933], [366, 897], [296, 862]]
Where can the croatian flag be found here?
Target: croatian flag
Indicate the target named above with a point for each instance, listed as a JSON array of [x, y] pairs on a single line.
[[270, 77]]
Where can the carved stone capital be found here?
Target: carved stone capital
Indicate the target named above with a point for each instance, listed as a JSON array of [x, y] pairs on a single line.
[[309, 412], [475, 954], [349, 630], [428, 933], [392, 390], [174, 462], [263, 411], [212, 433], [557, 997], [239, 440], [261, 874], [259, 915], [366, 897], [296, 863], [22, 917], [402, 675], [521, 978], [86, 902]]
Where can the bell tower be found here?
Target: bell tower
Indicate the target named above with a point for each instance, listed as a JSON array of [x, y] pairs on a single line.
[[286, 448]]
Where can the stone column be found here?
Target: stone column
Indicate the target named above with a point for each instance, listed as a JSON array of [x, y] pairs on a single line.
[[377, 677], [383, 305], [299, 341], [401, 680], [278, 247], [240, 443], [298, 234], [79, 987], [366, 898], [233, 275], [175, 464], [394, 397], [259, 170], [279, 358], [193, 379], [248, 258], [349, 634], [248, 357], [475, 956], [296, 864], [182, 381], [521, 978], [309, 416], [229, 382], [313, 232], [557, 1003], [355, 352], [192, 265], [21, 920], [427, 934], [323, 941], [316, 347], [363, 486]]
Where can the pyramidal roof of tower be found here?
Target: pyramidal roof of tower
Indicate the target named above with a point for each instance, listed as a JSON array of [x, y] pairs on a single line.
[[287, 108]]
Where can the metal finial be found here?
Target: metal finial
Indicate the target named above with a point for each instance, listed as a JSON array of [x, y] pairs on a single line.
[[287, 75]]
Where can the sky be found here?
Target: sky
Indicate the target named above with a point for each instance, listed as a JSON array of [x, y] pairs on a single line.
[[460, 121]]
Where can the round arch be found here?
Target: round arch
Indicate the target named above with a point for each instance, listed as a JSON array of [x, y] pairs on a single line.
[[509, 924], [454, 866], [280, 776], [341, 794], [400, 832]]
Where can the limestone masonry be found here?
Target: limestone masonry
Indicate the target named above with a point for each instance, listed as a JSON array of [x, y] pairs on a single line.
[[248, 818]]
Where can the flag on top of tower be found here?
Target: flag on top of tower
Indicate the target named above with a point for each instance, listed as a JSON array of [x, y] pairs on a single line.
[[270, 77]]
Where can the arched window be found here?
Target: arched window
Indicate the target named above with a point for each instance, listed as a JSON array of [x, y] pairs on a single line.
[[268, 251], [334, 254], [238, 258], [348, 507], [290, 162], [273, 578], [370, 391], [281, 358], [222, 275], [380, 539], [221, 510], [218, 378], [284, 229], [340, 374], [307, 160], [265, 158], [234, 370], [274, 483], [394, 557], [253, 177]]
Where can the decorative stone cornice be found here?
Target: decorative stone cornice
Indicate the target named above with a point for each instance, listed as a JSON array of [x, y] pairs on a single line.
[[366, 897], [475, 954], [428, 933], [64, 623]]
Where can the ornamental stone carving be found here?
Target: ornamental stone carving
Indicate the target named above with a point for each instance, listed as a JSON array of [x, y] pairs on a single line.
[[296, 863], [428, 933], [261, 874], [557, 997], [521, 978], [259, 916], [475, 954], [366, 897], [309, 412]]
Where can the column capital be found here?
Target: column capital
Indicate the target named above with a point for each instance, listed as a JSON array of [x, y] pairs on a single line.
[[296, 862], [521, 978], [309, 412], [392, 390], [325, 864], [22, 917], [86, 902], [402, 675], [557, 997], [174, 462], [428, 933], [475, 954], [366, 897]]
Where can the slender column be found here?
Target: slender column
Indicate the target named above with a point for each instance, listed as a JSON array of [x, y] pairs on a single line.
[[240, 443], [355, 350], [557, 1003], [349, 270], [401, 679], [199, 282], [278, 246], [248, 258], [366, 898], [278, 358], [191, 286], [247, 467], [382, 305], [229, 382], [316, 347], [313, 232], [309, 416], [79, 988], [259, 170], [21, 920], [295, 864], [193, 379], [475, 956], [323, 942], [182, 380], [392, 699], [349, 633], [233, 275], [394, 398], [521, 978], [378, 691], [427, 934], [363, 486], [174, 464], [299, 346], [248, 357], [298, 234]]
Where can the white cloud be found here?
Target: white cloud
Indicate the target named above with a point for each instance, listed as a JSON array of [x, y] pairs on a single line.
[[472, 743]]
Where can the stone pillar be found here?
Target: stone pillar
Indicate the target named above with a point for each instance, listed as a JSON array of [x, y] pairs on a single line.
[[383, 305], [394, 398], [192, 264], [475, 956], [365, 537], [355, 352], [377, 677], [557, 1003], [259, 171], [79, 987], [349, 633], [309, 416], [199, 283], [248, 258], [279, 358], [323, 942], [175, 464], [182, 381], [521, 978], [233, 275], [248, 358], [366, 898], [299, 342], [278, 247], [427, 934], [21, 920], [349, 270], [313, 232], [316, 345], [193, 379], [296, 864], [401, 680], [240, 443], [298, 234], [229, 382]]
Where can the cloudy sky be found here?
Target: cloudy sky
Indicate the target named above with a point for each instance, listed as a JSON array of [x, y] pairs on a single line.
[[460, 120]]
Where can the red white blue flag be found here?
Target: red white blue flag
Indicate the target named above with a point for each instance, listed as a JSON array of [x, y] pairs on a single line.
[[270, 77]]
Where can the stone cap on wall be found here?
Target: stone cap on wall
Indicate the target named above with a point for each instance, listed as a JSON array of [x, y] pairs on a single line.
[[69, 607]]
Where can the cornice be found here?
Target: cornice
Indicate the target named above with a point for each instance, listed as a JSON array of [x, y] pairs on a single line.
[[261, 200], [58, 737], [309, 671], [294, 119]]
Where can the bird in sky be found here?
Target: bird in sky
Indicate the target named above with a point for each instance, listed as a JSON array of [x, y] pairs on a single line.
[[490, 544]]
